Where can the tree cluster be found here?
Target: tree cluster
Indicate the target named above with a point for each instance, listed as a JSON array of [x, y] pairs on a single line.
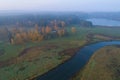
[[36, 34]]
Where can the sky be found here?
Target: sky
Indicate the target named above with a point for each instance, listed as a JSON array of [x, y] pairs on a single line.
[[61, 5]]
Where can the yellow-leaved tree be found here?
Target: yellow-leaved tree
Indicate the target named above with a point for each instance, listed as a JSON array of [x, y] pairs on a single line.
[[73, 30]]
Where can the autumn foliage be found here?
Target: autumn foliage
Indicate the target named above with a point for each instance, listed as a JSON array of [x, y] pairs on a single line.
[[73, 30], [36, 34]]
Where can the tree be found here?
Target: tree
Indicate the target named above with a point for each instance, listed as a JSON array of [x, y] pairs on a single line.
[[24, 35], [73, 29], [61, 32], [43, 30], [18, 38], [36, 27], [30, 34], [86, 23], [48, 30], [14, 30], [62, 23], [33, 35], [40, 37], [56, 27], [12, 41]]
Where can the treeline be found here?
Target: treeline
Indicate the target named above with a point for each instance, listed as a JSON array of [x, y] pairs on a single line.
[[37, 34], [38, 27], [29, 20]]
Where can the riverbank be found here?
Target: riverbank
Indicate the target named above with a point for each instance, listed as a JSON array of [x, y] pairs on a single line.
[[72, 52], [93, 37], [34, 59], [103, 65]]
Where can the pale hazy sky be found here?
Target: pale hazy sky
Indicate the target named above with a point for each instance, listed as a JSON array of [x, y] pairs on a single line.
[[61, 5]]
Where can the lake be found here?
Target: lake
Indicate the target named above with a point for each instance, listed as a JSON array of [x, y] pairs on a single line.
[[104, 22]]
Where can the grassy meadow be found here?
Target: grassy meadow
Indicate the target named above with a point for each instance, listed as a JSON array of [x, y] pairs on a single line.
[[28, 60], [103, 65]]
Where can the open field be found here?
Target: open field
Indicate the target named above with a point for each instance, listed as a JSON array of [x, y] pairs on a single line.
[[103, 65], [28, 60]]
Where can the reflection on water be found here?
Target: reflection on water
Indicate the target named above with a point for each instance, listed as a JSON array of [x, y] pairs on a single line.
[[104, 22]]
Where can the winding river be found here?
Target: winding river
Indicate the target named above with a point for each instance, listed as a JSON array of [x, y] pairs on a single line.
[[69, 68]]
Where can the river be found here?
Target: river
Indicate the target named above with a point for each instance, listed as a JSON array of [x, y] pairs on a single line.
[[69, 68]]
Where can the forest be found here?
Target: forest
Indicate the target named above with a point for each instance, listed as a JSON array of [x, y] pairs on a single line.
[[20, 29]]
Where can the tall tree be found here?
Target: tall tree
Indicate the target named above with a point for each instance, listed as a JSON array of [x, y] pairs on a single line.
[[61, 32], [43, 30], [48, 30], [18, 38], [56, 27], [24, 35], [73, 30], [62, 23]]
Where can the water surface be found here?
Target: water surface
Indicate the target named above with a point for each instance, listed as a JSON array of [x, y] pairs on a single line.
[[104, 22], [69, 68]]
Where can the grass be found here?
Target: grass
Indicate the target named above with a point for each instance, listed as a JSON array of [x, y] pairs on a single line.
[[103, 65], [36, 62]]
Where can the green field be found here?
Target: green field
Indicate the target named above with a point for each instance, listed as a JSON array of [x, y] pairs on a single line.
[[40, 57]]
